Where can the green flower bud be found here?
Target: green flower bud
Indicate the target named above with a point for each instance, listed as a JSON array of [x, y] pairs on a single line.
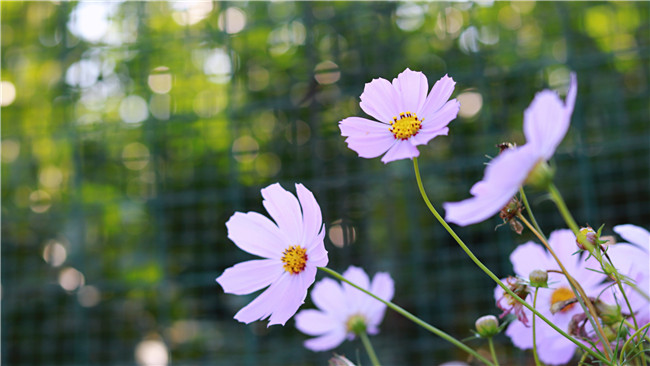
[[610, 314], [587, 239], [487, 326], [538, 278]]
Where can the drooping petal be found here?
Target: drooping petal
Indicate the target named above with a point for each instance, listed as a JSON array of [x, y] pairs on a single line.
[[502, 179], [312, 219], [380, 100], [266, 303], [316, 253], [314, 322], [400, 150], [412, 86], [634, 235], [367, 138], [441, 118], [256, 234], [438, 96], [285, 210], [247, 277], [327, 341], [529, 257]]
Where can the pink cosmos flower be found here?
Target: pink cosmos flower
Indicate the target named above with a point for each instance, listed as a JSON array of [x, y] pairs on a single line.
[[292, 248], [632, 260], [546, 121], [553, 348], [407, 116], [343, 309]]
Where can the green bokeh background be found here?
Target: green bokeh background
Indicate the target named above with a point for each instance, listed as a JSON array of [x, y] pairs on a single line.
[[136, 129]]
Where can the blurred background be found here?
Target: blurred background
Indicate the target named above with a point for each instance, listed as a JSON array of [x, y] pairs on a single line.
[[132, 131]]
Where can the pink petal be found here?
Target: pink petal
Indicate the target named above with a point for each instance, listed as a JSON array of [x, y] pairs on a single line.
[[256, 234], [354, 297], [529, 257], [520, 335], [312, 218], [267, 302], [423, 137], [439, 94], [555, 350], [412, 86], [635, 235], [400, 150], [368, 138], [246, 277], [326, 342], [314, 322], [441, 118], [285, 210], [503, 176], [328, 296], [380, 100], [316, 253], [383, 286], [294, 296]]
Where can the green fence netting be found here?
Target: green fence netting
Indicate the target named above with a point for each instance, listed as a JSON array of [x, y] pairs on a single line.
[[132, 131]]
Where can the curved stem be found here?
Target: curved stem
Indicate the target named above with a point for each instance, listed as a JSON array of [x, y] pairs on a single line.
[[535, 334], [530, 211], [620, 287], [410, 316], [492, 275], [493, 352], [564, 211], [371, 351], [582, 297], [634, 335]]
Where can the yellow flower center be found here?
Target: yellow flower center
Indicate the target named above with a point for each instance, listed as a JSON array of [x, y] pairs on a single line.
[[562, 294], [294, 259], [405, 126], [356, 324]]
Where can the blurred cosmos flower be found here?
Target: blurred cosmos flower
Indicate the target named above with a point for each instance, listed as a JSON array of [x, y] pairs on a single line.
[[633, 262], [407, 116], [292, 247], [546, 121], [552, 348], [344, 310]]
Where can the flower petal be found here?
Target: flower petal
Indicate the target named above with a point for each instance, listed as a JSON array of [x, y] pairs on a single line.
[[312, 218], [256, 234], [383, 286], [441, 118], [400, 150], [285, 210], [328, 296], [355, 298], [294, 296], [529, 257], [326, 342], [555, 350], [246, 277], [316, 253], [634, 235], [412, 87], [380, 100], [502, 179], [439, 94], [314, 322], [423, 137], [368, 138], [266, 303], [520, 335]]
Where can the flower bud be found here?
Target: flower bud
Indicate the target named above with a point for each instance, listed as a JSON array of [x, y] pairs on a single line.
[[541, 176], [587, 239], [487, 326], [610, 314], [339, 360], [538, 278]]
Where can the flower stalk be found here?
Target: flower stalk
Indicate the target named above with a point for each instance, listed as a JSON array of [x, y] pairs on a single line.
[[371, 351]]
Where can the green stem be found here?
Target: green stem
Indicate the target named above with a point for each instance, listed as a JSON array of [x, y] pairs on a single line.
[[492, 275], [620, 287], [634, 335], [410, 316], [535, 334], [492, 351], [529, 210], [564, 211], [369, 349]]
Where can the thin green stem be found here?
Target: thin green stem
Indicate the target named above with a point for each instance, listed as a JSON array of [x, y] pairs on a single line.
[[564, 211], [492, 275], [634, 335], [410, 316], [534, 333], [582, 297], [493, 352], [530, 211], [620, 287], [371, 351], [646, 337]]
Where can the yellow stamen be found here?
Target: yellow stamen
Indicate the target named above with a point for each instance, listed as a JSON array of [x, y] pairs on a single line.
[[294, 259], [406, 126], [562, 294]]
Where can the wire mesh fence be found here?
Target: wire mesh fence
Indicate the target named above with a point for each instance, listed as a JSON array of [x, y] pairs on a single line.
[[132, 131]]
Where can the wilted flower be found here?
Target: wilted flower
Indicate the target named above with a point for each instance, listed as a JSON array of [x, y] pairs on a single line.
[[546, 121], [407, 116], [292, 247], [553, 348], [344, 310], [508, 303]]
